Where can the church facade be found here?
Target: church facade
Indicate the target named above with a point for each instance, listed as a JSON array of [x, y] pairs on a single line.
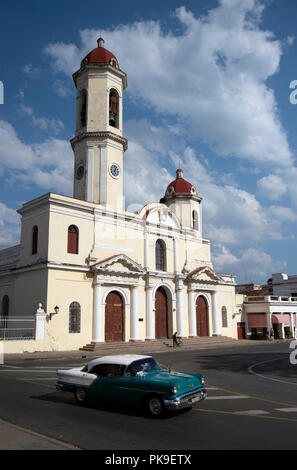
[[114, 275]]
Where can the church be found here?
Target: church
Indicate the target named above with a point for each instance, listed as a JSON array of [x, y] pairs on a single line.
[[97, 273]]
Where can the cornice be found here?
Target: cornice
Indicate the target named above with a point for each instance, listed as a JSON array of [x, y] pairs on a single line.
[[100, 136]]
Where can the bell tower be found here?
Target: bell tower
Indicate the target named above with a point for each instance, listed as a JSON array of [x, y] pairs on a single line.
[[98, 144], [182, 198]]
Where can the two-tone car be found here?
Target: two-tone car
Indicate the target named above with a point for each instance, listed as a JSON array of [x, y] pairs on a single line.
[[133, 380]]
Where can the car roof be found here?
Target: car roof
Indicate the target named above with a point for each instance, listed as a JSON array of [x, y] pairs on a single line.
[[123, 359]]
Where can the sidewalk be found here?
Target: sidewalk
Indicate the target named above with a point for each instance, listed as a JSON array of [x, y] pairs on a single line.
[[14, 437], [88, 355]]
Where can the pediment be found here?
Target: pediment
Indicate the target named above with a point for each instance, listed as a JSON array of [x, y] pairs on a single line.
[[159, 214], [118, 264], [204, 274]]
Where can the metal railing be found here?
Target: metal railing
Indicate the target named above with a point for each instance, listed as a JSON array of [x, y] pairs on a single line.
[[17, 328], [270, 298]]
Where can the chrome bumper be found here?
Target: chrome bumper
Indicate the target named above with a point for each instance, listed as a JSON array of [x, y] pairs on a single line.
[[186, 400]]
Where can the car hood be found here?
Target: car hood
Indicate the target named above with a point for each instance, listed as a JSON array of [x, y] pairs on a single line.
[[182, 380]]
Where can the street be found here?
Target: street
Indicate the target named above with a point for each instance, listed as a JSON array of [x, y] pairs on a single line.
[[251, 403]]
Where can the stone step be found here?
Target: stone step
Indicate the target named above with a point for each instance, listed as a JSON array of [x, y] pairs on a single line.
[[154, 345]]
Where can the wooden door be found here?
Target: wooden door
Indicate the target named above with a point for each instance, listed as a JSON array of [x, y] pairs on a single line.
[[202, 317], [241, 330], [114, 317], [161, 311]]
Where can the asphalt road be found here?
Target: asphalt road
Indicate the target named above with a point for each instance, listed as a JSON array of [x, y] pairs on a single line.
[[251, 404]]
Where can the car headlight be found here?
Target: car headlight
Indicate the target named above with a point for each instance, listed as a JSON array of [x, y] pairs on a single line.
[[203, 380], [174, 390]]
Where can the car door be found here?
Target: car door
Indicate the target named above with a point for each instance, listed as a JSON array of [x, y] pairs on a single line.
[[110, 384]]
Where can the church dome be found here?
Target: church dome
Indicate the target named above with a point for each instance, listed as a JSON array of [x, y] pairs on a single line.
[[100, 55], [180, 186]]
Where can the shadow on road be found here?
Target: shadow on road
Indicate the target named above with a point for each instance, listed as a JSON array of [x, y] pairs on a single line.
[[95, 405]]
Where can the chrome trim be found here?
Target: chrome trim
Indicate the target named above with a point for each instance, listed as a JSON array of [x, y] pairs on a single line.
[[179, 402]]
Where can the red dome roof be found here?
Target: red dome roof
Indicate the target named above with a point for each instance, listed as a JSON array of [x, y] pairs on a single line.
[[180, 185], [100, 55]]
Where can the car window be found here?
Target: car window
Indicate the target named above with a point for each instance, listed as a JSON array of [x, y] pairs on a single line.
[[108, 370], [142, 365]]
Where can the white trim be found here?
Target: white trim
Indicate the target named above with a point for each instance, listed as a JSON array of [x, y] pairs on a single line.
[[112, 87], [203, 294], [117, 289], [103, 186], [106, 75], [165, 286], [44, 266], [71, 214], [90, 170]]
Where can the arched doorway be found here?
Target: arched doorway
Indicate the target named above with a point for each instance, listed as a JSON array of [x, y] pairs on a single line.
[[161, 314], [114, 317], [5, 306], [202, 316]]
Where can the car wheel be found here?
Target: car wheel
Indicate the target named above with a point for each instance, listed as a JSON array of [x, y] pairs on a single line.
[[81, 396], [155, 406]]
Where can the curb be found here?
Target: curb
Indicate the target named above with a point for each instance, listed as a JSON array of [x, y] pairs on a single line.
[[25, 439]]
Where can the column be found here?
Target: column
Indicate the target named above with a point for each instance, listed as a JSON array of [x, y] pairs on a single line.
[[192, 313], [98, 336], [292, 325], [102, 194], [215, 319], [150, 320], [179, 309], [134, 314], [40, 317], [146, 251], [90, 164], [175, 255]]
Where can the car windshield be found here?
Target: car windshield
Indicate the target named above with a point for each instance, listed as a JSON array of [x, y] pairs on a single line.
[[142, 365]]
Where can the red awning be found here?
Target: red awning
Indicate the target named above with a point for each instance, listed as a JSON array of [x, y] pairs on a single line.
[[257, 320], [282, 318]]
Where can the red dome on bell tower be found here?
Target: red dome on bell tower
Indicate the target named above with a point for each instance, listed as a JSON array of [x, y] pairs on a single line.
[[100, 55]]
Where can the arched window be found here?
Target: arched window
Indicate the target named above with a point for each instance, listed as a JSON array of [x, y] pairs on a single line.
[[195, 220], [4, 312], [74, 317], [72, 246], [34, 240], [113, 108], [224, 317], [160, 255], [5, 306], [83, 109]]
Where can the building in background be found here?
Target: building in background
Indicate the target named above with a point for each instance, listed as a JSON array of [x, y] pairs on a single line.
[[270, 307]]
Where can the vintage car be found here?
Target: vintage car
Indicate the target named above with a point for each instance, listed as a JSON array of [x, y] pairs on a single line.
[[133, 379]]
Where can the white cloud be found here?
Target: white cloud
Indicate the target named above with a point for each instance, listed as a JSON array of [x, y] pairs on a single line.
[[231, 216], [272, 186], [43, 123], [212, 76], [9, 226], [252, 264], [48, 165], [30, 71]]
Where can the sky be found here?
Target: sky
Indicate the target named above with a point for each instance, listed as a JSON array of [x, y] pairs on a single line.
[[208, 90]]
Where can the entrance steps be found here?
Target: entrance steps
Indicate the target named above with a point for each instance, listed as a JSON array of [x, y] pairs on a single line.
[[156, 344]]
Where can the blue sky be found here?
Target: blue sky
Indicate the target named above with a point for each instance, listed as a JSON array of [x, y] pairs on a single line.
[[208, 89]]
